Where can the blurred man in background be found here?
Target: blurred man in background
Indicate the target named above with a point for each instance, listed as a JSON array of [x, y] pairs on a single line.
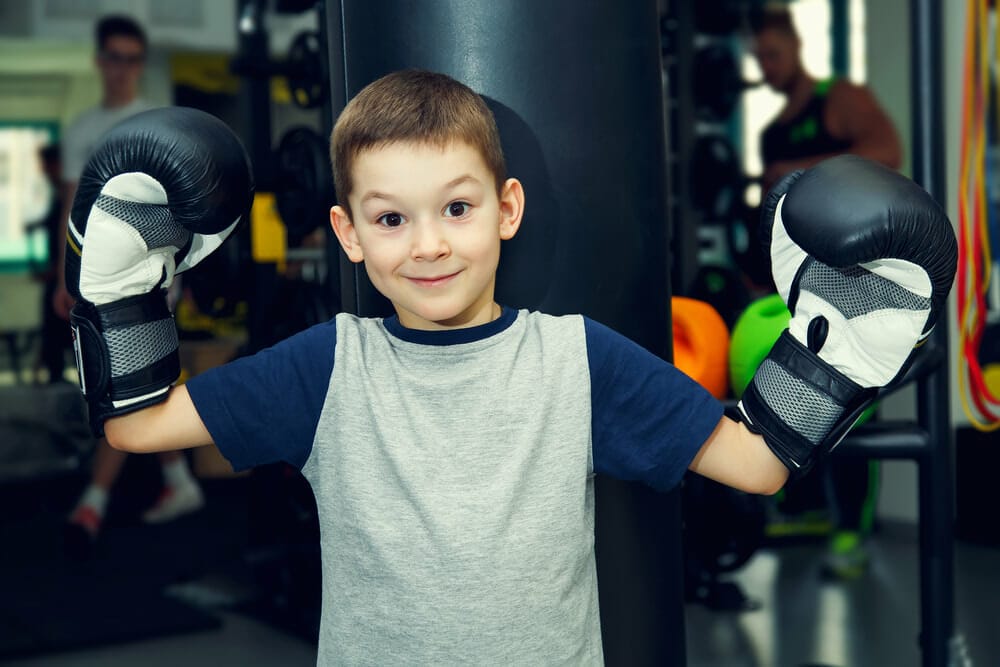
[[121, 57], [821, 118]]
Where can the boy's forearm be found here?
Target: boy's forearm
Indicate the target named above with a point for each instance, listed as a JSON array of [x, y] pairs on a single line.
[[172, 424], [734, 456], [770, 474]]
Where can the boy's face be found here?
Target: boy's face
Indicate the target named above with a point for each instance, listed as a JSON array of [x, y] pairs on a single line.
[[428, 224]]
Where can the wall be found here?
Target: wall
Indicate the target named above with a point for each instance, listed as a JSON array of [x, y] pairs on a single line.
[[46, 50], [50, 42], [172, 24]]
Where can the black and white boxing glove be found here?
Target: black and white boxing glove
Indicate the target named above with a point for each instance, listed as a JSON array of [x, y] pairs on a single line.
[[864, 258], [162, 191]]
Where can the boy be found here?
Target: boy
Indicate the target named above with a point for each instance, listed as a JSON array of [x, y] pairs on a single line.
[[452, 447]]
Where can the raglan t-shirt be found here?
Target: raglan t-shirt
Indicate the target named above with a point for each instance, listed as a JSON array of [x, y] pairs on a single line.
[[453, 474]]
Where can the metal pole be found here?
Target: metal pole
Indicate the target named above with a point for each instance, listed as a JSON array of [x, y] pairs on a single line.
[[840, 37], [936, 485]]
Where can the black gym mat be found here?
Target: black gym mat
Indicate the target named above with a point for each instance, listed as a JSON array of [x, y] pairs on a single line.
[[50, 602], [52, 621]]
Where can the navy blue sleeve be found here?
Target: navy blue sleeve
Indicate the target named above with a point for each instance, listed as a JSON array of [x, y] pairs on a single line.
[[648, 419], [265, 408]]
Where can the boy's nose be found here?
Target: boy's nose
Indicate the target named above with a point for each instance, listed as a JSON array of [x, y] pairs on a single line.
[[429, 242]]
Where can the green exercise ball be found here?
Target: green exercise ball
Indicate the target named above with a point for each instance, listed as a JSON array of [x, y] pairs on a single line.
[[755, 331]]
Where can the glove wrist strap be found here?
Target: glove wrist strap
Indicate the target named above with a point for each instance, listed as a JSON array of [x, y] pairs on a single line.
[[801, 405], [126, 354]]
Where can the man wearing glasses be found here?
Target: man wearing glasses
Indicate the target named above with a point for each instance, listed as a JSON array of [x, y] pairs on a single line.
[[121, 56]]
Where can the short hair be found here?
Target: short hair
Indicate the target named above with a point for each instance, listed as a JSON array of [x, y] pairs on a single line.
[[413, 105], [118, 25], [777, 18]]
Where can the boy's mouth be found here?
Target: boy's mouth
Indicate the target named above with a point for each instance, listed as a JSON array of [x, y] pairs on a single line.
[[433, 281]]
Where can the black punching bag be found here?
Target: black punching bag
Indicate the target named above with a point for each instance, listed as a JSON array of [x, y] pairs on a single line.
[[576, 90]]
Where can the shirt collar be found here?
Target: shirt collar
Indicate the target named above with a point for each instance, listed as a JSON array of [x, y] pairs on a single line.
[[451, 336]]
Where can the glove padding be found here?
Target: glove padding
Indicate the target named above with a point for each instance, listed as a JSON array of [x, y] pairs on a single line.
[[163, 190], [864, 258]]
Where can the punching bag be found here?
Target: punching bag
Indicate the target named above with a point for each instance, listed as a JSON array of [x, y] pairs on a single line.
[[575, 87]]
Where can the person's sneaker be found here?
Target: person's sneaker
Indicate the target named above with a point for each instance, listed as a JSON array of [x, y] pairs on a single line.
[[806, 524], [847, 557], [175, 502], [80, 532]]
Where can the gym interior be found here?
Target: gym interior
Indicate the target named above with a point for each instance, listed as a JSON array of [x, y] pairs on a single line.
[[647, 116]]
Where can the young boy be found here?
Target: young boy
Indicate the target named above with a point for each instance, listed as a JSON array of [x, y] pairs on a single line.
[[452, 447]]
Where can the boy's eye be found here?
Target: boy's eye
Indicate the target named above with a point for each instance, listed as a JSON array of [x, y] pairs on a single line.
[[390, 220], [456, 209]]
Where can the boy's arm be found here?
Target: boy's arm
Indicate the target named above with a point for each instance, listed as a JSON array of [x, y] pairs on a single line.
[[734, 456], [172, 424]]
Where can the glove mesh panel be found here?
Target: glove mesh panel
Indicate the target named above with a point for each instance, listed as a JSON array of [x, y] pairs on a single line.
[[154, 222], [136, 347], [855, 291], [798, 404]]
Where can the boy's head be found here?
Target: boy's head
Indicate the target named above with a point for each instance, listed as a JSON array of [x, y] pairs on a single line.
[[413, 106], [423, 199]]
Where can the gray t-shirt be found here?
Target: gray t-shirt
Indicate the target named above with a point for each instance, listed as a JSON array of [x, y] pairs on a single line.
[[453, 474], [82, 135]]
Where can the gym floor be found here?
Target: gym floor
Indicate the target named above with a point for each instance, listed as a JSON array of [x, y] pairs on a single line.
[[211, 612], [802, 619]]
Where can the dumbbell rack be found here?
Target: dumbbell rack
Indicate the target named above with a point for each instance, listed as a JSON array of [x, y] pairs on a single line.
[[927, 442], [929, 439], [937, 474]]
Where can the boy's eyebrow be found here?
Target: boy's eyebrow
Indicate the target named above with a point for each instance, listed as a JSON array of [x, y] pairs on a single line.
[[465, 178], [372, 194], [453, 183]]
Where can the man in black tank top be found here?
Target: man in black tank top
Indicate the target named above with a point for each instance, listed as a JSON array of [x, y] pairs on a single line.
[[805, 135], [820, 119]]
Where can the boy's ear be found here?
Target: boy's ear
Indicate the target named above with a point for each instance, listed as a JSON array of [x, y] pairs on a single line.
[[511, 208], [346, 234]]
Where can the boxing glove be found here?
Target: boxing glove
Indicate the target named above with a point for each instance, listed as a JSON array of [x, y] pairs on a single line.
[[864, 258], [163, 190]]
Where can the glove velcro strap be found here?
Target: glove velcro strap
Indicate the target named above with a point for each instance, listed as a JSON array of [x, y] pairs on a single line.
[[801, 405], [126, 353]]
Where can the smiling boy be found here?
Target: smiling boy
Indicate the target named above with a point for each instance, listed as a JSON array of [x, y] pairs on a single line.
[[429, 225], [452, 447]]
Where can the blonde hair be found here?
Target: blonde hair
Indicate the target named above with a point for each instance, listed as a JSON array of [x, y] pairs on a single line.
[[413, 106]]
